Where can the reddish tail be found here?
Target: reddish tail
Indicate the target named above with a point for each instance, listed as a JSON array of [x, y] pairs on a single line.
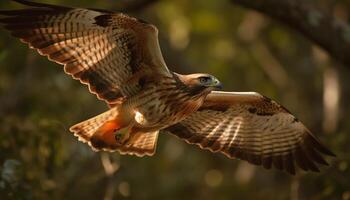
[[98, 130], [99, 133]]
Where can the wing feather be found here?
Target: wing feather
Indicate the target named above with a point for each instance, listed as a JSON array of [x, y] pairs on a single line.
[[101, 49], [251, 127]]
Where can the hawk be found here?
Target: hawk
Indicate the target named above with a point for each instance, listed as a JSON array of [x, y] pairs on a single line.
[[119, 58]]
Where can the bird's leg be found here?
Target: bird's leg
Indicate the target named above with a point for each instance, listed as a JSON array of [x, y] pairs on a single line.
[[121, 136]]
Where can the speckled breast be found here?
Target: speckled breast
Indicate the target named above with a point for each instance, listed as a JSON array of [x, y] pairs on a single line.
[[163, 105]]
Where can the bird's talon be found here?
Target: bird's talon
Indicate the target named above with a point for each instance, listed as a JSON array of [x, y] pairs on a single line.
[[117, 137], [121, 136]]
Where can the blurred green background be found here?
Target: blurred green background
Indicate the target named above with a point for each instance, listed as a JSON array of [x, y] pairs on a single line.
[[40, 159]]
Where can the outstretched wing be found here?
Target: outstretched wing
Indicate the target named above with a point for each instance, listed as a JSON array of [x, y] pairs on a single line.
[[111, 52], [251, 127]]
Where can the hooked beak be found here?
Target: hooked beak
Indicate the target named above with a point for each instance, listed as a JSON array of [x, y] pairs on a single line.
[[217, 84]]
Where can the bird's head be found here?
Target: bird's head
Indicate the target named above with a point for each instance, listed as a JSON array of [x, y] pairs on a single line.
[[201, 82], [207, 80]]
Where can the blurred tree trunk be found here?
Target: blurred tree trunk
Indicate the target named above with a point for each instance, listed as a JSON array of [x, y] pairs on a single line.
[[330, 33]]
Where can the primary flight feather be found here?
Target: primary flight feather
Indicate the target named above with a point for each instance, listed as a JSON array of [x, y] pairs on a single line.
[[120, 60]]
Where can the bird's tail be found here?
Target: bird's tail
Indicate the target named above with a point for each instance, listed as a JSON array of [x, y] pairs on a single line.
[[99, 133], [141, 144]]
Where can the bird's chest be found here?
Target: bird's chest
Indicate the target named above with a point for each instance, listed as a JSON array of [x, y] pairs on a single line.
[[163, 109]]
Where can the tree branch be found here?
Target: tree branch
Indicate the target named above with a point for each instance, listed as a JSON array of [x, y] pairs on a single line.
[[316, 25]]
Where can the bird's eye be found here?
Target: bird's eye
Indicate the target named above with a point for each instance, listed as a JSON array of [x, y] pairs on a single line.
[[205, 79]]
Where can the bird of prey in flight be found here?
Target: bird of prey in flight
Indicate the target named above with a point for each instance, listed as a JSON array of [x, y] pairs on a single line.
[[119, 58]]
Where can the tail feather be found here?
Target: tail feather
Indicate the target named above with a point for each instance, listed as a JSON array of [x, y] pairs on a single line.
[[139, 143], [86, 129]]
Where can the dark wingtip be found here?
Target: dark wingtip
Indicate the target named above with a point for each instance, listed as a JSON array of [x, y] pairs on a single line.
[[39, 9], [32, 4], [6, 12], [39, 5], [24, 2], [309, 154], [318, 145]]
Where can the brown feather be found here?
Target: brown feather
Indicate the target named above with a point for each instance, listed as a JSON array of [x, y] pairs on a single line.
[[251, 127], [139, 144], [101, 49]]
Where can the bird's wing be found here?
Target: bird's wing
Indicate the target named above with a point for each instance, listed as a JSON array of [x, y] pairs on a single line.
[[112, 53], [254, 128]]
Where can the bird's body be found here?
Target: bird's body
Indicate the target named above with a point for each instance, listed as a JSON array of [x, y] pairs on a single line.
[[158, 106], [120, 60], [165, 103]]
